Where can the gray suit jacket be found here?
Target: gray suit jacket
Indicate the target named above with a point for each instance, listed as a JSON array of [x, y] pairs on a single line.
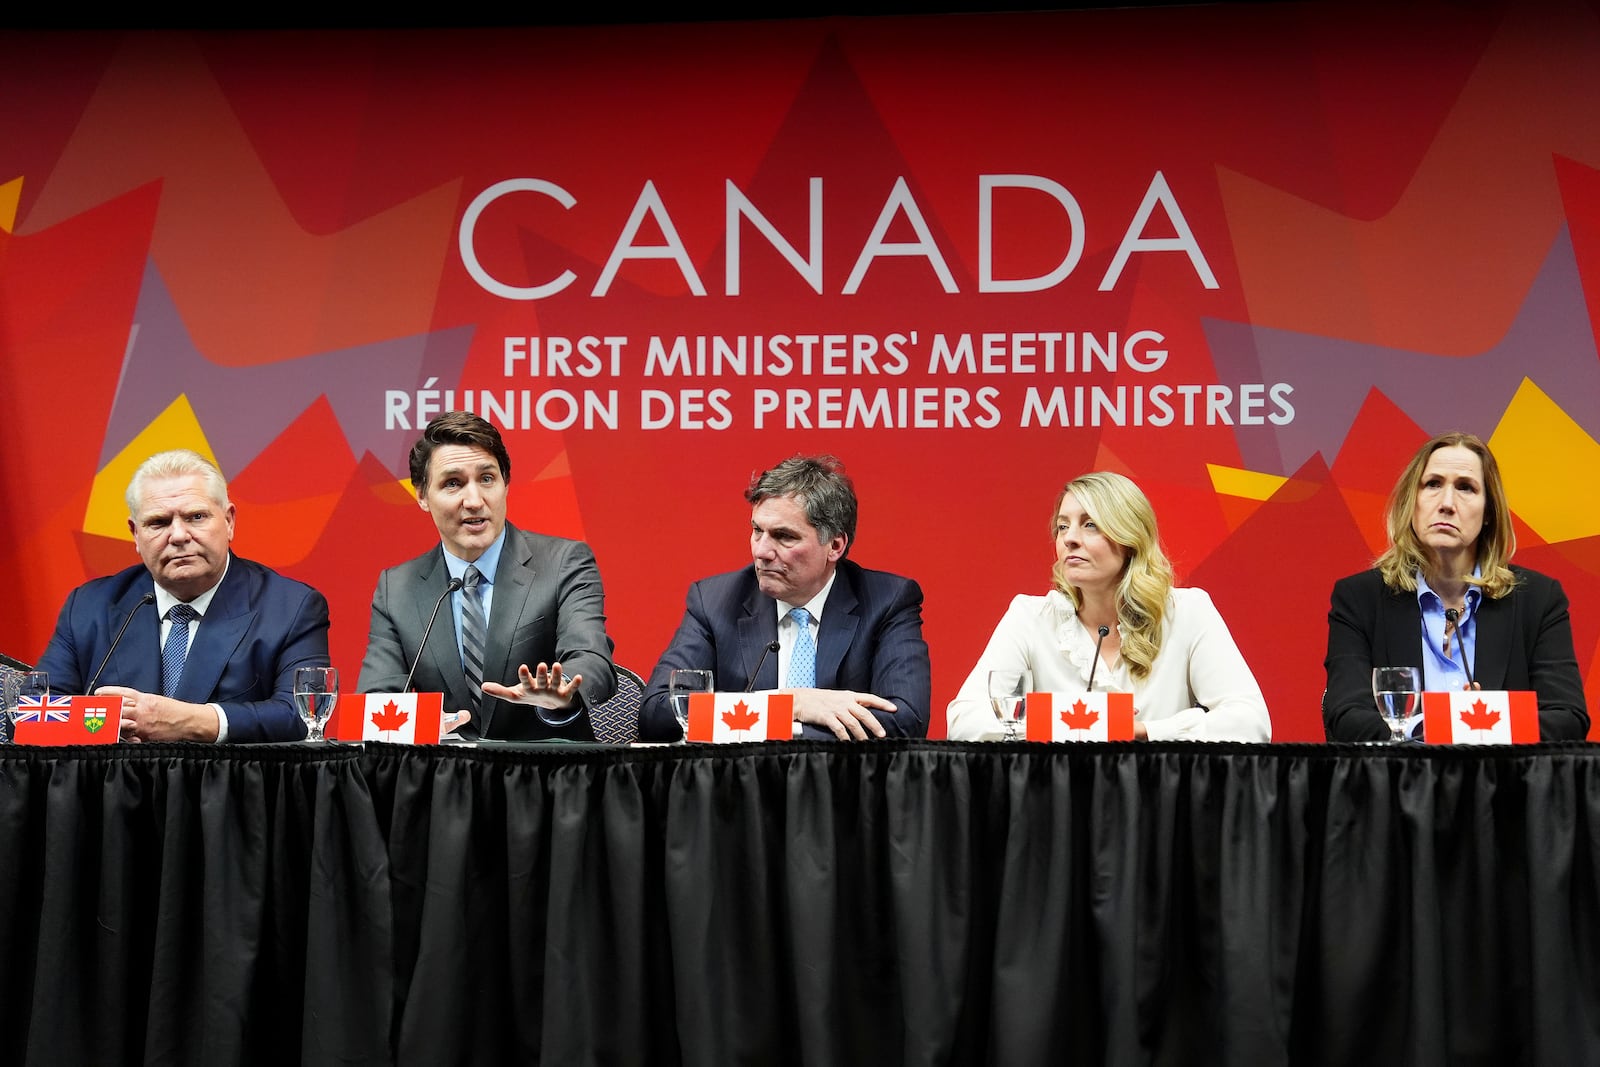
[[548, 606]]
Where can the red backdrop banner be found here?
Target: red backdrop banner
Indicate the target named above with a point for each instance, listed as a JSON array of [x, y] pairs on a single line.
[[1249, 255]]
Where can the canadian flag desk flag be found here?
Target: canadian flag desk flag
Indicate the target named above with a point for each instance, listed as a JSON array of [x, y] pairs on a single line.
[[732, 718], [68, 721], [1481, 717], [1080, 716], [398, 718]]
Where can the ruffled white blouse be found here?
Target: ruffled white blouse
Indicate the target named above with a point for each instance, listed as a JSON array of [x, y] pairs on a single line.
[[1199, 688]]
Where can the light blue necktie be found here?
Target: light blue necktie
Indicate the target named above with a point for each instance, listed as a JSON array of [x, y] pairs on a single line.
[[176, 651], [803, 661]]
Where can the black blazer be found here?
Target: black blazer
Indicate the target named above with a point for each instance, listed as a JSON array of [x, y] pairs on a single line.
[[1524, 641]]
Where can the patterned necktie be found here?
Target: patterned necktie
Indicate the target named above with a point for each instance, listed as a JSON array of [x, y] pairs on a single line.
[[474, 632], [803, 661], [176, 651]]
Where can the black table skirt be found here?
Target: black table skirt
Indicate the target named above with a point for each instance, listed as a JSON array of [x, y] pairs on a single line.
[[806, 903]]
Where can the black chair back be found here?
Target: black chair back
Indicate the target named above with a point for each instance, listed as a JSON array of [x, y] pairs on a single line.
[[616, 721]]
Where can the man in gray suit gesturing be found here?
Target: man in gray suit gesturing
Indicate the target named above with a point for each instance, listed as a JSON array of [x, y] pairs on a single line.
[[508, 598]]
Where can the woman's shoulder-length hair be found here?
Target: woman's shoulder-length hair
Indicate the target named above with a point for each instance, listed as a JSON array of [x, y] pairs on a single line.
[[1497, 541], [1123, 513]]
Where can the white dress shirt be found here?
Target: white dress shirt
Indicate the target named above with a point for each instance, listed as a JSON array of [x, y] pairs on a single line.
[[788, 631], [165, 602]]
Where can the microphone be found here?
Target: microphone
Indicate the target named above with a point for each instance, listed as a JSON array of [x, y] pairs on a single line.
[[772, 646], [1105, 631], [1452, 616], [148, 598], [455, 583]]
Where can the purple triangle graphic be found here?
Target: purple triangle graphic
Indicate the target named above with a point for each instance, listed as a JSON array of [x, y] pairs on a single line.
[[243, 409], [1551, 342]]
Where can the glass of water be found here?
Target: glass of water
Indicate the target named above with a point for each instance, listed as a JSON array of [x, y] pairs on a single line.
[[680, 684], [316, 690], [1397, 691], [1008, 696], [20, 687]]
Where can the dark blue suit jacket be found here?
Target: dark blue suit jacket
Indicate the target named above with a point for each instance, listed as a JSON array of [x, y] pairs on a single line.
[[869, 640], [259, 628]]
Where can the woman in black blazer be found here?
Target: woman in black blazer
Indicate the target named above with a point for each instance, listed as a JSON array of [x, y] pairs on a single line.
[[1444, 597]]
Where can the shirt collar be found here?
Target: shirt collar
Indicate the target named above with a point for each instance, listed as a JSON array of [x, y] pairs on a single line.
[[1428, 600], [487, 563], [165, 600], [814, 605]]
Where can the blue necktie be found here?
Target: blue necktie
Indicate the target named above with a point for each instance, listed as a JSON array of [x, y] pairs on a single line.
[[803, 661], [176, 651], [474, 632]]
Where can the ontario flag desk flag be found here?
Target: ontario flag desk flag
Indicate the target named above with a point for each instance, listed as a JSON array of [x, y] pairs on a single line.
[[1481, 717], [398, 718], [68, 721], [733, 718], [1080, 716]]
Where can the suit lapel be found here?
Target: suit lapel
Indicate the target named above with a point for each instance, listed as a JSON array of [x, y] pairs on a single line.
[[137, 662], [442, 650], [224, 625], [1491, 647], [513, 580], [837, 629], [758, 628], [1402, 631]]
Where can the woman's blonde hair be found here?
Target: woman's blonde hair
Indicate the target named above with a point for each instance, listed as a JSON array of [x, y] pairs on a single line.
[[1497, 541], [1123, 514]]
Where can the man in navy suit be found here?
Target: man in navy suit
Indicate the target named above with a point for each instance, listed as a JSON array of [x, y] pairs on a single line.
[[213, 659], [803, 619]]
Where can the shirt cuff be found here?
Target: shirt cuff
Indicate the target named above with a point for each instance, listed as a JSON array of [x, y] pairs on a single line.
[[222, 723]]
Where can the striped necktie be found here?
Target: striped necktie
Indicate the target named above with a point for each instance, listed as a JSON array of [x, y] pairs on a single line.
[[474, 632]]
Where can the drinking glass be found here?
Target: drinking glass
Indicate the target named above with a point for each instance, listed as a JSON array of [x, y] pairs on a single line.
[[679, 685], [21, 687], [316, 690], [1397, 690], [1008, 695]]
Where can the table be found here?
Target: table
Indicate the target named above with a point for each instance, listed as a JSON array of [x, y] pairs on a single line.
[[801, 903]]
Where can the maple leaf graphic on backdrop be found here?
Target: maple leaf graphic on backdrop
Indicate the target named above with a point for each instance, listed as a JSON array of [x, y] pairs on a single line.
[[740, 717], [1479, 717], [1079, 717], [390, 718]]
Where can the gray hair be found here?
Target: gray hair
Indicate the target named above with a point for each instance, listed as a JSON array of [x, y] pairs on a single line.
[[820, 485], [176, 464]]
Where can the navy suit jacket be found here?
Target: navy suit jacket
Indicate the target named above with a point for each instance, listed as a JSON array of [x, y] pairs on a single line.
[[1524, 641], [548, 606], [869, 640], [259, 628]]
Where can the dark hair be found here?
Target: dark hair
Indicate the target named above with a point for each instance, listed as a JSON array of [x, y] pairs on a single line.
[[457, 428], [821, 486]]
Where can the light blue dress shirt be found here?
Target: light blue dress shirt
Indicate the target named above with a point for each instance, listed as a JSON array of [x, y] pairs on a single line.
[[1445, 669], [487, 564]]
